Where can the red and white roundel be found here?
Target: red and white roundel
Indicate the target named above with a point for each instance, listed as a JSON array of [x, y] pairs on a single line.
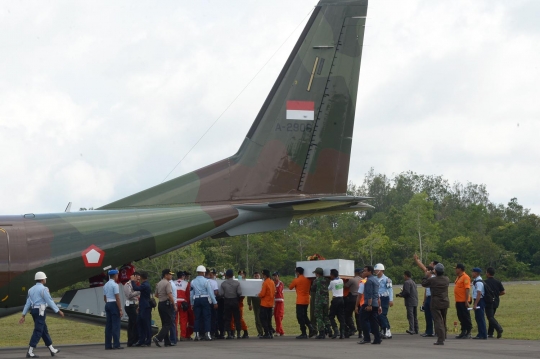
[[93, 256]]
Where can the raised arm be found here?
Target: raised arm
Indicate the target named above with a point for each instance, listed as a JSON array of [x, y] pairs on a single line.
[[418, 263]]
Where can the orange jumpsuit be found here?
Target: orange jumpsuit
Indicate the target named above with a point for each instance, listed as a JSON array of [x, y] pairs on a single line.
[[182, 295], [279, 308]]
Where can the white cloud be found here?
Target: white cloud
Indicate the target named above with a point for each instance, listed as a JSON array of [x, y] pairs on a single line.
[[100, 100]]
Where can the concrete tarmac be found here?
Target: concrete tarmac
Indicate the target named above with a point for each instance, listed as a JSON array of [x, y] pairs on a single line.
[[400, 346]]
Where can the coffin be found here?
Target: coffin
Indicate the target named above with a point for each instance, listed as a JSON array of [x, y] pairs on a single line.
[[344, 266]]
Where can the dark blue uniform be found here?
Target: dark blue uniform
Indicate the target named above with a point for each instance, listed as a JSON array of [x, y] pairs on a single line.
[[144, 320]]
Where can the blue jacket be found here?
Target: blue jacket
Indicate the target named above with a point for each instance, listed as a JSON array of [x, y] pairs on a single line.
[[371, 291], [146, 292]]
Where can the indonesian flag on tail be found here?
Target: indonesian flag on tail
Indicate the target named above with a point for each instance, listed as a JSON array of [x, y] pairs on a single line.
[[301, 110]]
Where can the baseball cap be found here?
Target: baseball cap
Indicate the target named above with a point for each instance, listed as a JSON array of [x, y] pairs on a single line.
[[318, 270], [439, 267]]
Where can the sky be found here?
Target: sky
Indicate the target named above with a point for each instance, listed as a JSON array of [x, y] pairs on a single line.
[[99, 100]]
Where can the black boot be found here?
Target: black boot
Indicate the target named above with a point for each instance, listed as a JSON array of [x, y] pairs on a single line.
[[312, 331], [467, 335], [229, 334], [336, 333], [461, 335], [342, 334], [328, 331], [245, 336], [238, 334], [321, 335], [302, 336]]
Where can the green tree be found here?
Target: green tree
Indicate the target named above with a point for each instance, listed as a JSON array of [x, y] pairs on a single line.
[[418, 224]]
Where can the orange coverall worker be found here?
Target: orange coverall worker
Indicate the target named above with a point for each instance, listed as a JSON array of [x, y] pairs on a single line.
[[267, 296], [279, 307]]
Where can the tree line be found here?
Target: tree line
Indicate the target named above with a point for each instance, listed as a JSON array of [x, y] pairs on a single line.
[[413, 213]]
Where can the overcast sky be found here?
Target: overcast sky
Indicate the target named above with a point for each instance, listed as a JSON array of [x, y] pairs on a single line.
[[99, 100]]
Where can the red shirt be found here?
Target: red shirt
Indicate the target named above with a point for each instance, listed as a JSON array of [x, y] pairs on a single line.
[[125, 273], [188, 293]]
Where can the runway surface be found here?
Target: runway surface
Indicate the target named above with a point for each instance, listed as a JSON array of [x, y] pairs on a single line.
[[400, 346]]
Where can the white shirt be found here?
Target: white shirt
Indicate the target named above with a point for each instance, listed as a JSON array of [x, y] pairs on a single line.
[[361, 288], [213, 284], [173, 287], [336, 286]]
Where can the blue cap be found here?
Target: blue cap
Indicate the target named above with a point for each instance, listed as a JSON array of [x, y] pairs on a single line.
[[113, 272], [477, 270]]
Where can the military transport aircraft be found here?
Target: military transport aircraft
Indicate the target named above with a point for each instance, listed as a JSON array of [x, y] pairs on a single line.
[[294, 162]]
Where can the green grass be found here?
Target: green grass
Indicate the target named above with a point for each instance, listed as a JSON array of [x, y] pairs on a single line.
[[518, 315]]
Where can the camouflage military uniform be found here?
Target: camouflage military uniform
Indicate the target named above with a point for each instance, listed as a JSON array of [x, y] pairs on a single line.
[[320, 285]]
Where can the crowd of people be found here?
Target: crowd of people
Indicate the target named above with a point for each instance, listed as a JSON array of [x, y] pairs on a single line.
[[200, 309]]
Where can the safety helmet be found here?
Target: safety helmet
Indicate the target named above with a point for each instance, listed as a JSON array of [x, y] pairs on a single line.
[[40, 276], [379, 266], [201, 269]]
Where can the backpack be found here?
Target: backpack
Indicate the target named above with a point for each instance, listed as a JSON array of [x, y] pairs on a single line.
[[489, 294]]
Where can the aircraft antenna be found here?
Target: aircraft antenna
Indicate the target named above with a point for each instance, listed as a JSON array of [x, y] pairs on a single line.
[[237, 96]]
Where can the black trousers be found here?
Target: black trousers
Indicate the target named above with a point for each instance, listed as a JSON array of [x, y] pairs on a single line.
[[370, 323], [337, 309], [359, 322], [165, 315], [301, 316], [350, 303], [493, 323], [132, 332], [266, 319], [220, 314], [231, 310], [464, 316]]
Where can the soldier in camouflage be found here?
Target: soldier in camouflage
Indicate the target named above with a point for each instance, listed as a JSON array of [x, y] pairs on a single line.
[[320, 288]]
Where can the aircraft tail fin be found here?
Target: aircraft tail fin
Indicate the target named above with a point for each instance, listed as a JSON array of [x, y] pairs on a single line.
[[300, 142]]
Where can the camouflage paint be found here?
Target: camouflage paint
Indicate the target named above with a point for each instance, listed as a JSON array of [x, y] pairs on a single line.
[[281, 158], [284, 169]]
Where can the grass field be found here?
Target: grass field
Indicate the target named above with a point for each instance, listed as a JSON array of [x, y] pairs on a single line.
[[518, 314]]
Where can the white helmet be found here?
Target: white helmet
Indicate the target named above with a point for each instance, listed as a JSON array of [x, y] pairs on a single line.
[[379, 266], [40, 276], [201, 269]]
